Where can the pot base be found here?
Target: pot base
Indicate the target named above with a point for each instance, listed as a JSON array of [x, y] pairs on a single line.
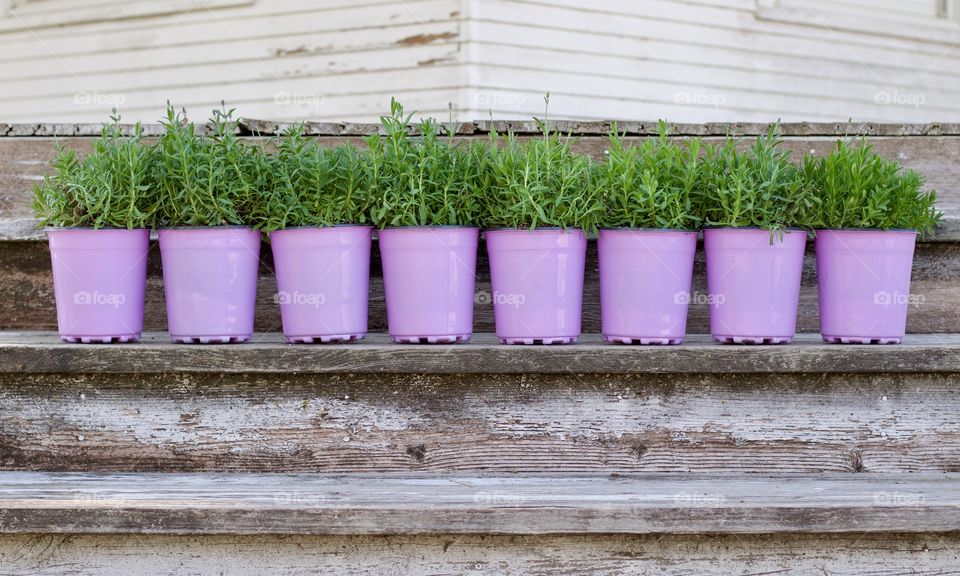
[[643, 341], [543, 341], [324, 339], [209, 339], [753, 339], [120, 338], [445, 339], [860, 340]]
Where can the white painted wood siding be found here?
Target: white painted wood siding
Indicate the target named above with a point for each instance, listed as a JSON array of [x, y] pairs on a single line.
[[685, 60], [713, 60], [285, 59]]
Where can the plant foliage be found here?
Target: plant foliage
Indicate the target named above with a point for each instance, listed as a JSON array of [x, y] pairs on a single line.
[[853, 187], [539, 183], [209, 179], [422, 180], [197, 176], [754, 187], [313, 185], [651, 185], [113, 187]]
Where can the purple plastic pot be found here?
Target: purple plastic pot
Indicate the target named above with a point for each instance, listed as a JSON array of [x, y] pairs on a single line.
[[753, 284], [323, 280], [537, 281], [428, 279], [210, 282], [99, 279], [864, 279], [645, 278]]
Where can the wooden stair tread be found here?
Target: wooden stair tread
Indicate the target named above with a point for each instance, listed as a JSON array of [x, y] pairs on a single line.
[[42, 352], [364, 504]]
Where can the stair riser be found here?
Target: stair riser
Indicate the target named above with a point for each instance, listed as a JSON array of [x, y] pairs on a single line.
[[889, 554], [799, 423], [27, 287]]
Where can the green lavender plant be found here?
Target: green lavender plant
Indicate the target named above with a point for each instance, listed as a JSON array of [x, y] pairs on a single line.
[[756, 187], [113, 187], [539, 183], [313, 185], [422, 180], [650, 185], [853, 187], [209, 179]]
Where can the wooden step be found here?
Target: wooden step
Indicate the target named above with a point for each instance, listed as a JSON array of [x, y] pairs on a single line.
[[43, 352], [381, 505], [479, 408], [863, 554]]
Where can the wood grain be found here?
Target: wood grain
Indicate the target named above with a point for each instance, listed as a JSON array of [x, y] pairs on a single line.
[[448, 555], [698, 424], [347, 505]]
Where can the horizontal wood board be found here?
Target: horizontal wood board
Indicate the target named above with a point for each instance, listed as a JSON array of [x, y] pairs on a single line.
[[295, 421], [299, 504]]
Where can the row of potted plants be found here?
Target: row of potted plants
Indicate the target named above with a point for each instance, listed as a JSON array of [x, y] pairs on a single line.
[[211, 194]]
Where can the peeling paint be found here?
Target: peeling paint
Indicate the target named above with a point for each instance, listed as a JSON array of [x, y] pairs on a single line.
[[284, 52], [432, 61], [420, 39]]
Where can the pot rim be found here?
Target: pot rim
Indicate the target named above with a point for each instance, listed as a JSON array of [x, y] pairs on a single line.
[[429, 227], [230, 227], [90, 228], [321, 227], [786, 229], [894, 230], [629, 229], [538, 228]]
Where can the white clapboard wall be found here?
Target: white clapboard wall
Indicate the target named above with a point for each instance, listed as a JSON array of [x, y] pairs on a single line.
[[328, 59], [686, 60]]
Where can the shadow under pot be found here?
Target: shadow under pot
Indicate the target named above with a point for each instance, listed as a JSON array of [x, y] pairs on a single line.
[[323, 282], [753, 279], [864, 282], [645, 278], [99, 280], [428, 282], [210, 283], [537, 282]]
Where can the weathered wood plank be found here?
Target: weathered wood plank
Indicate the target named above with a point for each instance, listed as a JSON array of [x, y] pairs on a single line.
[[265, 353], [698, 424], [603, 555], [27, 302], [360, 504]]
